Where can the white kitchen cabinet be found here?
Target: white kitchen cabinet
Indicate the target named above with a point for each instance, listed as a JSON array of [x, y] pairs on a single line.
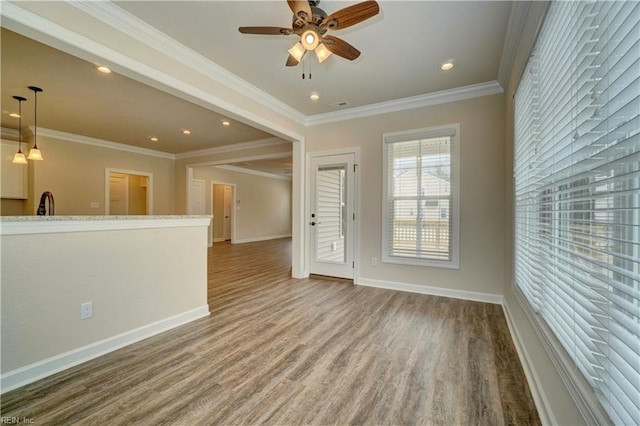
[[14, 183]]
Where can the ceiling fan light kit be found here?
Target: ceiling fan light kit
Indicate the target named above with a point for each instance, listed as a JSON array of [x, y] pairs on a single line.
[[311, 24], [297, 51], [322, 53]]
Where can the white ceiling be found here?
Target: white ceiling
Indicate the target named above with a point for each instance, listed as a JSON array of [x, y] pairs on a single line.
[[77, 99], [402, 49]]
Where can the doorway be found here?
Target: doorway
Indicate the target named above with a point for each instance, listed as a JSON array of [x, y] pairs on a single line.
[[332, 215], [127, 193], [223, 209]]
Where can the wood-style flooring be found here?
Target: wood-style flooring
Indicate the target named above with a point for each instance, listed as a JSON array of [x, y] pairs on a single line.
[[282, 351]]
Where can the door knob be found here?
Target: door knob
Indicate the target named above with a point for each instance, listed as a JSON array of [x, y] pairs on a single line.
[[312, 223]]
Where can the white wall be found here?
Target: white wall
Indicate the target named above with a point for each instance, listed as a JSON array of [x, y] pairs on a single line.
[[481, 200], [134, 277], [263, 205]]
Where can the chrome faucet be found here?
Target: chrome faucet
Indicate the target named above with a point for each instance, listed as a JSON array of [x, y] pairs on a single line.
[[42, 211]]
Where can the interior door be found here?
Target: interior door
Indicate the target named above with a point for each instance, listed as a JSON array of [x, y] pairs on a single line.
[[197, 197], [228, 206], [332, 215], [118, 194]]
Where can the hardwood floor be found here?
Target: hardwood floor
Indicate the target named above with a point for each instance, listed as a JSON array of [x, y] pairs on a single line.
[[281, 351]]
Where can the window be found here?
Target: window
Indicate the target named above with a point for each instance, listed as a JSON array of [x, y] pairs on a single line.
[[577, 193], [420, 196]]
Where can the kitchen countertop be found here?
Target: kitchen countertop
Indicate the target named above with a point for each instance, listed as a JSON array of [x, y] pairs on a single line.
[[18, 225]]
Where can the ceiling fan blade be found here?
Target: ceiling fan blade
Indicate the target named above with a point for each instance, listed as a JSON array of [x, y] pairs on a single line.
[[291, 61], [301, 9], [265, 30], [351, 15], [340, 47]]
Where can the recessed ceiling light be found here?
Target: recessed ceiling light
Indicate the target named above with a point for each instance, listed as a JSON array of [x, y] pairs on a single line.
[[226, 123], [153, 139], [446, 66], [186, 132], [14, 115], [314, 96], [103, 69]]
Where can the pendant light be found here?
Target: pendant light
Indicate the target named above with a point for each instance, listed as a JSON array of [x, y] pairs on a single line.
[[19, 157], [34, 153]]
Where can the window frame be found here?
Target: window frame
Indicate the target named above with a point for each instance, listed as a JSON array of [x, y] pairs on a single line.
[[453, 131]]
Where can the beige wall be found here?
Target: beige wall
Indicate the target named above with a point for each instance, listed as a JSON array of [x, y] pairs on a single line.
[[75, 174], [182, 164], [481, 186], [12, 207], [264, 203], [133, 277]]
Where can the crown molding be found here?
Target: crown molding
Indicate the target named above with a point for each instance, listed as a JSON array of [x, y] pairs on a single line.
[[37, 27], [132, 26], [420, 101], [86, 140], [517, 19], [230, 148], [10, 134], [138, 29], [252, 172]]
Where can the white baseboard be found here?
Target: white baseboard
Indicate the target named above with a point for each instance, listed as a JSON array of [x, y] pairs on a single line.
[[496, 299], [251, 240], [41, 369], [539, 397]]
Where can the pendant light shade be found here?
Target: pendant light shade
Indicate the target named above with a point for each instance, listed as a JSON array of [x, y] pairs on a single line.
[[19, 157], [34, 153]]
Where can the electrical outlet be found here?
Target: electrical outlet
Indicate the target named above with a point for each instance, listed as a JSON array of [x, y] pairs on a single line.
[[374, 261], [86, 310], [94, 205]]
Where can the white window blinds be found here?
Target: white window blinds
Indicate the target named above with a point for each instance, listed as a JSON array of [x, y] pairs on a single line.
[[577, 192], [421, 198]]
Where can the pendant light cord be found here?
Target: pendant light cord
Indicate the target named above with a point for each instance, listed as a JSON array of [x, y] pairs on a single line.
[[20, 126], [35, 121]]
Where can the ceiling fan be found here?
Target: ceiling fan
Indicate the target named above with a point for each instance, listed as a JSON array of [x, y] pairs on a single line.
[[311, 24]]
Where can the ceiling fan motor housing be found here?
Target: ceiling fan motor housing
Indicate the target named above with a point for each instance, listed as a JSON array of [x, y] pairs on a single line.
[[311, 24], [318, 15]]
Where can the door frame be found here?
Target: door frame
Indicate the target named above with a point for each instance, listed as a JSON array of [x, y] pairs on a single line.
[[204, 207], [233, 209], [149, 176], [298, 227], [356, 205]]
